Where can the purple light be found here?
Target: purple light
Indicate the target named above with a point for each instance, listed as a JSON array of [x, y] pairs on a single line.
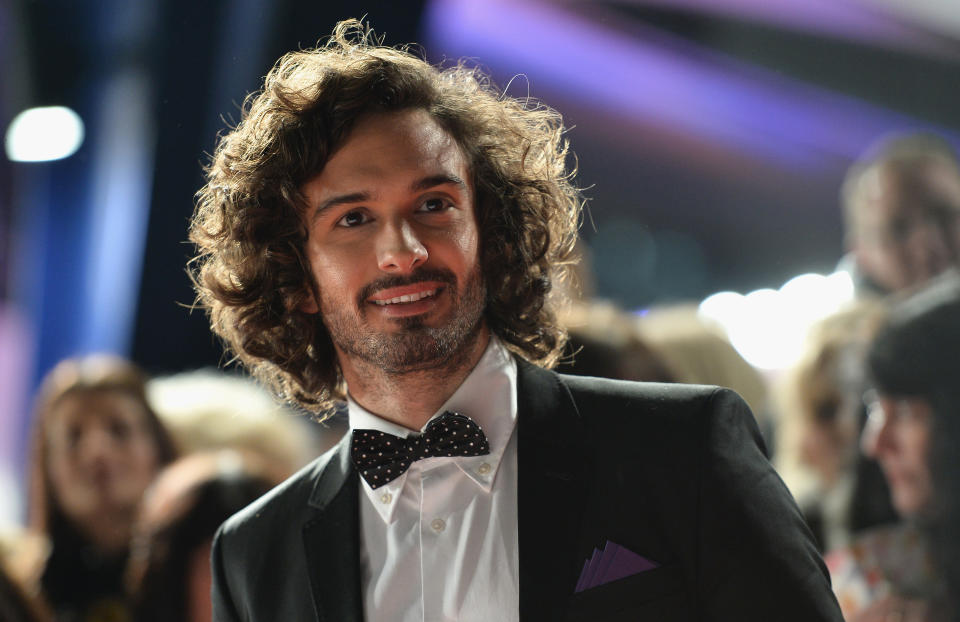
[[16, 361], [853, 20], [661, 80]]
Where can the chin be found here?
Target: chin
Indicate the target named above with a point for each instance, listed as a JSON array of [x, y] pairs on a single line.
[[907, 505]]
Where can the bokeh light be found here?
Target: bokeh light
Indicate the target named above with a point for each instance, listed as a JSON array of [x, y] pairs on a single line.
[[43, 134], [768, 327]]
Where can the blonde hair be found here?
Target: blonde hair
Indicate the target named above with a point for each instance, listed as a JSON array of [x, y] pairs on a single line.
[[830, 370]]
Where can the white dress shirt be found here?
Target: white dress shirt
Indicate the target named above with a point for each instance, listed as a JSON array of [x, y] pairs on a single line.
[[440, 541]]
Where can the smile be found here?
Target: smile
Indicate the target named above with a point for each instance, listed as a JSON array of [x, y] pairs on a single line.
[[406, 298]]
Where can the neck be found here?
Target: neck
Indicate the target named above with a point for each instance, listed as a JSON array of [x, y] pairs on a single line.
[[411, 398], [110, 532]]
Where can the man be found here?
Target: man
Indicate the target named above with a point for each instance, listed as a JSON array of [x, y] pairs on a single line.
[[902, 213], [380, 230]]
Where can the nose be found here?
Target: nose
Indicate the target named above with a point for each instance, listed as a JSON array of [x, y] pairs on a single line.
[[876, 437], [399, 248], [94, 446]]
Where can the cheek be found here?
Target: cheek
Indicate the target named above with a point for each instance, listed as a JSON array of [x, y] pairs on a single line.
[[472, 247], [916, 445], [143, 457], [69, 488], [463, 246], [333, 270], [62, 470], [135, 461], [811, 444]]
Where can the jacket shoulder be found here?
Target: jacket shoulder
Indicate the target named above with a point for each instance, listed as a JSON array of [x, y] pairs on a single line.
[[603, 396], [285, 501], [653, 391], [273, 533], [672, 410]]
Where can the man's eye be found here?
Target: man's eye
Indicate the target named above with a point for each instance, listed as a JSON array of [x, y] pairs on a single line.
[[352, 219], [434, 205]]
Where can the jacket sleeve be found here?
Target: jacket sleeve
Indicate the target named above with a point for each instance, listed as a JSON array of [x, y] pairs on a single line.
[[224, 609], [757, 558]]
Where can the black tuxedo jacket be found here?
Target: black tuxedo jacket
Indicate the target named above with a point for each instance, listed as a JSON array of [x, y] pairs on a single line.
[[674, 473]]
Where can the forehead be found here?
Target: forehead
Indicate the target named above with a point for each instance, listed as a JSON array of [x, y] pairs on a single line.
[[389, 147], [90, 405], [898, 187]]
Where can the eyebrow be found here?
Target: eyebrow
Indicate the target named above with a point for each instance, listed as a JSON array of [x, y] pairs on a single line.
[[432, 181], [443, 179], [353, 197]]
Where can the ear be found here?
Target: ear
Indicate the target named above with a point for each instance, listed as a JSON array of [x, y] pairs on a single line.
[[309, 306]]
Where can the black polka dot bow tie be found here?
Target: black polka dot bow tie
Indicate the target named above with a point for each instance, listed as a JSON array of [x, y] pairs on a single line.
[[380, 457]]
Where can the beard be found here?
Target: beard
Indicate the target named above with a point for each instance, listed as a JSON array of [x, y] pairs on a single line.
[[413, 346]]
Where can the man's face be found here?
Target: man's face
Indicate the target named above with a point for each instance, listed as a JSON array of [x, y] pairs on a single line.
[[394, 247], [907, 227]]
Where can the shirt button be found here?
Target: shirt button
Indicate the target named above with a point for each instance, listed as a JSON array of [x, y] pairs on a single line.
[[438, 525], [483, 469], [386, 497]]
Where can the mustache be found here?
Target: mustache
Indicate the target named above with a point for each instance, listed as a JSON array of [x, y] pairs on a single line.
[[424, 274]]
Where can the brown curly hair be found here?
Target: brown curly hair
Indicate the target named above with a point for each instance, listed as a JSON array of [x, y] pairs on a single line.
[[250, 271]]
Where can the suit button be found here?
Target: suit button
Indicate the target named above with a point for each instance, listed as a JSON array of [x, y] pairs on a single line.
[[438, 525]]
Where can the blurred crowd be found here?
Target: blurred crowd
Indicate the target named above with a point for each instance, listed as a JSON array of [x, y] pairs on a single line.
[[129, 480], [130, 477]]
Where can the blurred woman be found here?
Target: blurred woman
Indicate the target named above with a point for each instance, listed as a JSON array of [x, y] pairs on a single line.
[[821, 414], [169, 571], [911, 572], [97, 445]]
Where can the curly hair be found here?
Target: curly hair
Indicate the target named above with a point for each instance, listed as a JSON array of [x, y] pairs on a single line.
[[250, 271]]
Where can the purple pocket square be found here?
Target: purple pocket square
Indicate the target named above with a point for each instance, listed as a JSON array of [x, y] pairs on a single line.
[[586, 575], [611, 564]]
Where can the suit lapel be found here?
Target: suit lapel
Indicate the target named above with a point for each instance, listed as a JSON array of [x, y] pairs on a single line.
[[551, 490], [550, 487], [332, 540]]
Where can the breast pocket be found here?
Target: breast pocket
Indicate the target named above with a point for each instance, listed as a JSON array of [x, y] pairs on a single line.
[[657, 594]]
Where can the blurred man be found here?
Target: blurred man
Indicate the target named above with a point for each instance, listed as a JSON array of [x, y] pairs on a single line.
[[902, 212], [383, 231]]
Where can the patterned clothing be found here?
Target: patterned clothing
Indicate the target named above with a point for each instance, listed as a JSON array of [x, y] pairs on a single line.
[[891, 561]]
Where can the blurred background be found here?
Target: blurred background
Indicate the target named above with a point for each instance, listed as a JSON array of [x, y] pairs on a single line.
[[712, 137]]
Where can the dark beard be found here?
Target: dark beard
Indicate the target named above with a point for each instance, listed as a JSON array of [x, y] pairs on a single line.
[[414, 347]]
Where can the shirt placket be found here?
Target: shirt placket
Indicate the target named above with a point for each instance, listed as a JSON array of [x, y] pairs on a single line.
[[438, 543]]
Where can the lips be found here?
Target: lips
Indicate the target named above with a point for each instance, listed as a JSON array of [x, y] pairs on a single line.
[[406, 294], [406, 298]]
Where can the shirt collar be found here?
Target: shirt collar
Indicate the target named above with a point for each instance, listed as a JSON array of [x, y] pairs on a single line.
[[488, 395]]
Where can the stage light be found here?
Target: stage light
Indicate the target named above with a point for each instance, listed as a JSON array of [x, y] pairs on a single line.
[[722, 307], [768, 327], [43, 134]]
